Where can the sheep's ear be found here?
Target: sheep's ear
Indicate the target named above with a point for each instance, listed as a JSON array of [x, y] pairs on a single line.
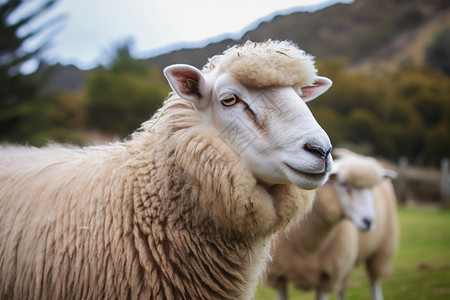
[[320, 86], [189, 83], [390, 174]]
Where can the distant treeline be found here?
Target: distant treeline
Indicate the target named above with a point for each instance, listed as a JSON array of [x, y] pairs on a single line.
[[406, 113], [113, 103]]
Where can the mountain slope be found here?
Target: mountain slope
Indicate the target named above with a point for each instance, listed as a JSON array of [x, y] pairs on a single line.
[[363, 32], [407, 48]]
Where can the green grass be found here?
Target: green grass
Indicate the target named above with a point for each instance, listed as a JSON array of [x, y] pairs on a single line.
[[421, 269]]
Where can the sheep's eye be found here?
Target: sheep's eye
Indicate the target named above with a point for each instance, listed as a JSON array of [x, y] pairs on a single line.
[[230, 100], [346, 186]]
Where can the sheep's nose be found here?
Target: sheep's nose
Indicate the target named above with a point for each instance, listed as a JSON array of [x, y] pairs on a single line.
[[367, 223], [319, 151]]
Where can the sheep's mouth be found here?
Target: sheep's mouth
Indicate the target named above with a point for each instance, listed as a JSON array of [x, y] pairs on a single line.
[[312, 176]]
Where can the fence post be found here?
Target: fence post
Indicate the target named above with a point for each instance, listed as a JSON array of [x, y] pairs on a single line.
[[445, 185], [401, 179]]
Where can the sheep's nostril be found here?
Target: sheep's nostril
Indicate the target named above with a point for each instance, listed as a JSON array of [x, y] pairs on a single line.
[[319, 151], [367, 223]]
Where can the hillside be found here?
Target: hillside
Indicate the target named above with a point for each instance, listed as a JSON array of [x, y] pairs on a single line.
[[69, 77], [406, 48], [365, 32]]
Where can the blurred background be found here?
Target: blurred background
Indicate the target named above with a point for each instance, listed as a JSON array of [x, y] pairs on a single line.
[[84, 72]]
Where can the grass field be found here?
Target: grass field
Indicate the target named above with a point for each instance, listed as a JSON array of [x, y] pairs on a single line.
[[421, 269]]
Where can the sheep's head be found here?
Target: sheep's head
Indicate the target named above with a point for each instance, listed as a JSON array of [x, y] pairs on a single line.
[[255, 95], [354, 178]]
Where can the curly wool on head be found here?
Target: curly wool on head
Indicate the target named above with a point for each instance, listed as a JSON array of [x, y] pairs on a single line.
[[271, 63], [360, 173]]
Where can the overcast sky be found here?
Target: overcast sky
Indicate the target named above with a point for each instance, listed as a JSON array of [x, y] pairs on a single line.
[[92, 27]]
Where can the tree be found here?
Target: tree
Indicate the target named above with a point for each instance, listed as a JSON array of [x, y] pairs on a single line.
[[124, 93], [18, 90], [438, 52]]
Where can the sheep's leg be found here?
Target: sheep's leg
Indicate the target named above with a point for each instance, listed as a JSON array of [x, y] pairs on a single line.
[[377, 293], [282, 291], [343, 289], [342, 293], [321, 294]]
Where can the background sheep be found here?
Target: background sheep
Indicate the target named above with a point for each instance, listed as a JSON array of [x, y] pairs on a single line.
[[186, 208], [320, 252]]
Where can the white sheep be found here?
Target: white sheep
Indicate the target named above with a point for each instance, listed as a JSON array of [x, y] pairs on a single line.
[[320, 252], [187, 207]]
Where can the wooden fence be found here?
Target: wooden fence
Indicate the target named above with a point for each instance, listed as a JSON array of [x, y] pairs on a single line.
[[422, 185]]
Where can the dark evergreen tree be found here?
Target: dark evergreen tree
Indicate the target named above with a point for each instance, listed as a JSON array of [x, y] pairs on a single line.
[[16, 89]]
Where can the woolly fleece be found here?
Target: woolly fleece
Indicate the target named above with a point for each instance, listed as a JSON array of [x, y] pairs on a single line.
[[172, 213], [271, 63]]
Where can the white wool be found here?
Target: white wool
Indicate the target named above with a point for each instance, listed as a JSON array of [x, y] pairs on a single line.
[[271, 63]]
